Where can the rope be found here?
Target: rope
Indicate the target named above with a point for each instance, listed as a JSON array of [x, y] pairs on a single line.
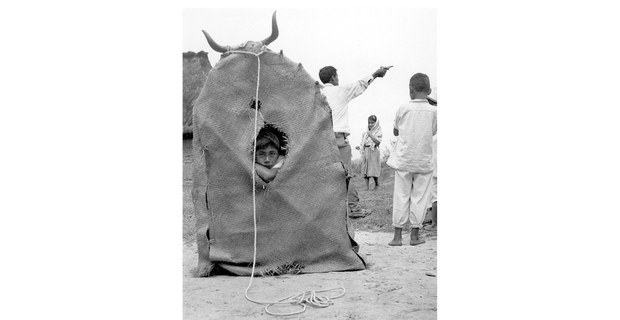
[[307, 297]]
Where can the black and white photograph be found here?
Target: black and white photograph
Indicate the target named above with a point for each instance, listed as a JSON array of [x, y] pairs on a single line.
[[309, 141], [280, 160]]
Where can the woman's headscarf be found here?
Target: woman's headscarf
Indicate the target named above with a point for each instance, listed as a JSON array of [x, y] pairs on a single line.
[[375, 131]]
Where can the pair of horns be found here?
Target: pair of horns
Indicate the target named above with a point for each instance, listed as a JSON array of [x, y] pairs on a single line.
[[268, 40]]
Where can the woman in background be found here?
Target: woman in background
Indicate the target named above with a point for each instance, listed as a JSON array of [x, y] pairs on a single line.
[[369, 147]]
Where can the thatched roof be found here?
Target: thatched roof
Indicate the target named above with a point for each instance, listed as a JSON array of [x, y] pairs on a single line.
[[196, 66]]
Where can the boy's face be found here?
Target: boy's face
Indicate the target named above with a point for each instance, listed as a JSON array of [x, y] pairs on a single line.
[[371, 123], [267, 157]]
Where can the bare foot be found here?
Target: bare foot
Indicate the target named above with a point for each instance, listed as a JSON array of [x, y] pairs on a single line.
[[416, 242], [397, 240]]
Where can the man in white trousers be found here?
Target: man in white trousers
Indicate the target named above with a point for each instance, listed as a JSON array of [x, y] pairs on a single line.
[[415, 125]]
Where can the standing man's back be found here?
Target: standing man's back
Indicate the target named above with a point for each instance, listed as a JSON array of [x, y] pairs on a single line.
[[416, 122], [415, 125], [338, 98]]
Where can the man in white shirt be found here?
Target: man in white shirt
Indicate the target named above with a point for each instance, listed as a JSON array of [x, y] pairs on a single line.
[[338, 98], [415, 125]]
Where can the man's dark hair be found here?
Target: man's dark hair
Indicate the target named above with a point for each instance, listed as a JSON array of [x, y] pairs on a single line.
[[326, 74], [419, 83]]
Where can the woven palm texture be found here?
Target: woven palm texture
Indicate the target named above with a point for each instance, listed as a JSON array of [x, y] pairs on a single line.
[[301, 215]]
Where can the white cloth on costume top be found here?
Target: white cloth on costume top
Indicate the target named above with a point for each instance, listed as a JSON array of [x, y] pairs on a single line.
[[375, 131], [416, 123], [338, 98]]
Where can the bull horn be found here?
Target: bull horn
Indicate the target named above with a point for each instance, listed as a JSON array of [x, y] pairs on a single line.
[[214, 44], [274, 30]]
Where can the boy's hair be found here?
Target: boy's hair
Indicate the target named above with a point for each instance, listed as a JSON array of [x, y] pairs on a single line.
[[267, 138], [373, 118], [326, 74], [419, 83]]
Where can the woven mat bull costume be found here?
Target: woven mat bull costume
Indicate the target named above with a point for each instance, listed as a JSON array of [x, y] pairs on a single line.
[[301, 216]]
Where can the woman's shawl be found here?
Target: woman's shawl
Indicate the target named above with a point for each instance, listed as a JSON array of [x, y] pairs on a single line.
[[375, 131]]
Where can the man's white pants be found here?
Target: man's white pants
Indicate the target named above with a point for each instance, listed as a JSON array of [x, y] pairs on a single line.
[[411, 195]]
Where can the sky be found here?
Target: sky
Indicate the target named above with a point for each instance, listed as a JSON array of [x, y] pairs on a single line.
[[355, 41]]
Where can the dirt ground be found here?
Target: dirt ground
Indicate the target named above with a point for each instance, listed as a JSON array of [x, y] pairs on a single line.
[[400, 282]]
